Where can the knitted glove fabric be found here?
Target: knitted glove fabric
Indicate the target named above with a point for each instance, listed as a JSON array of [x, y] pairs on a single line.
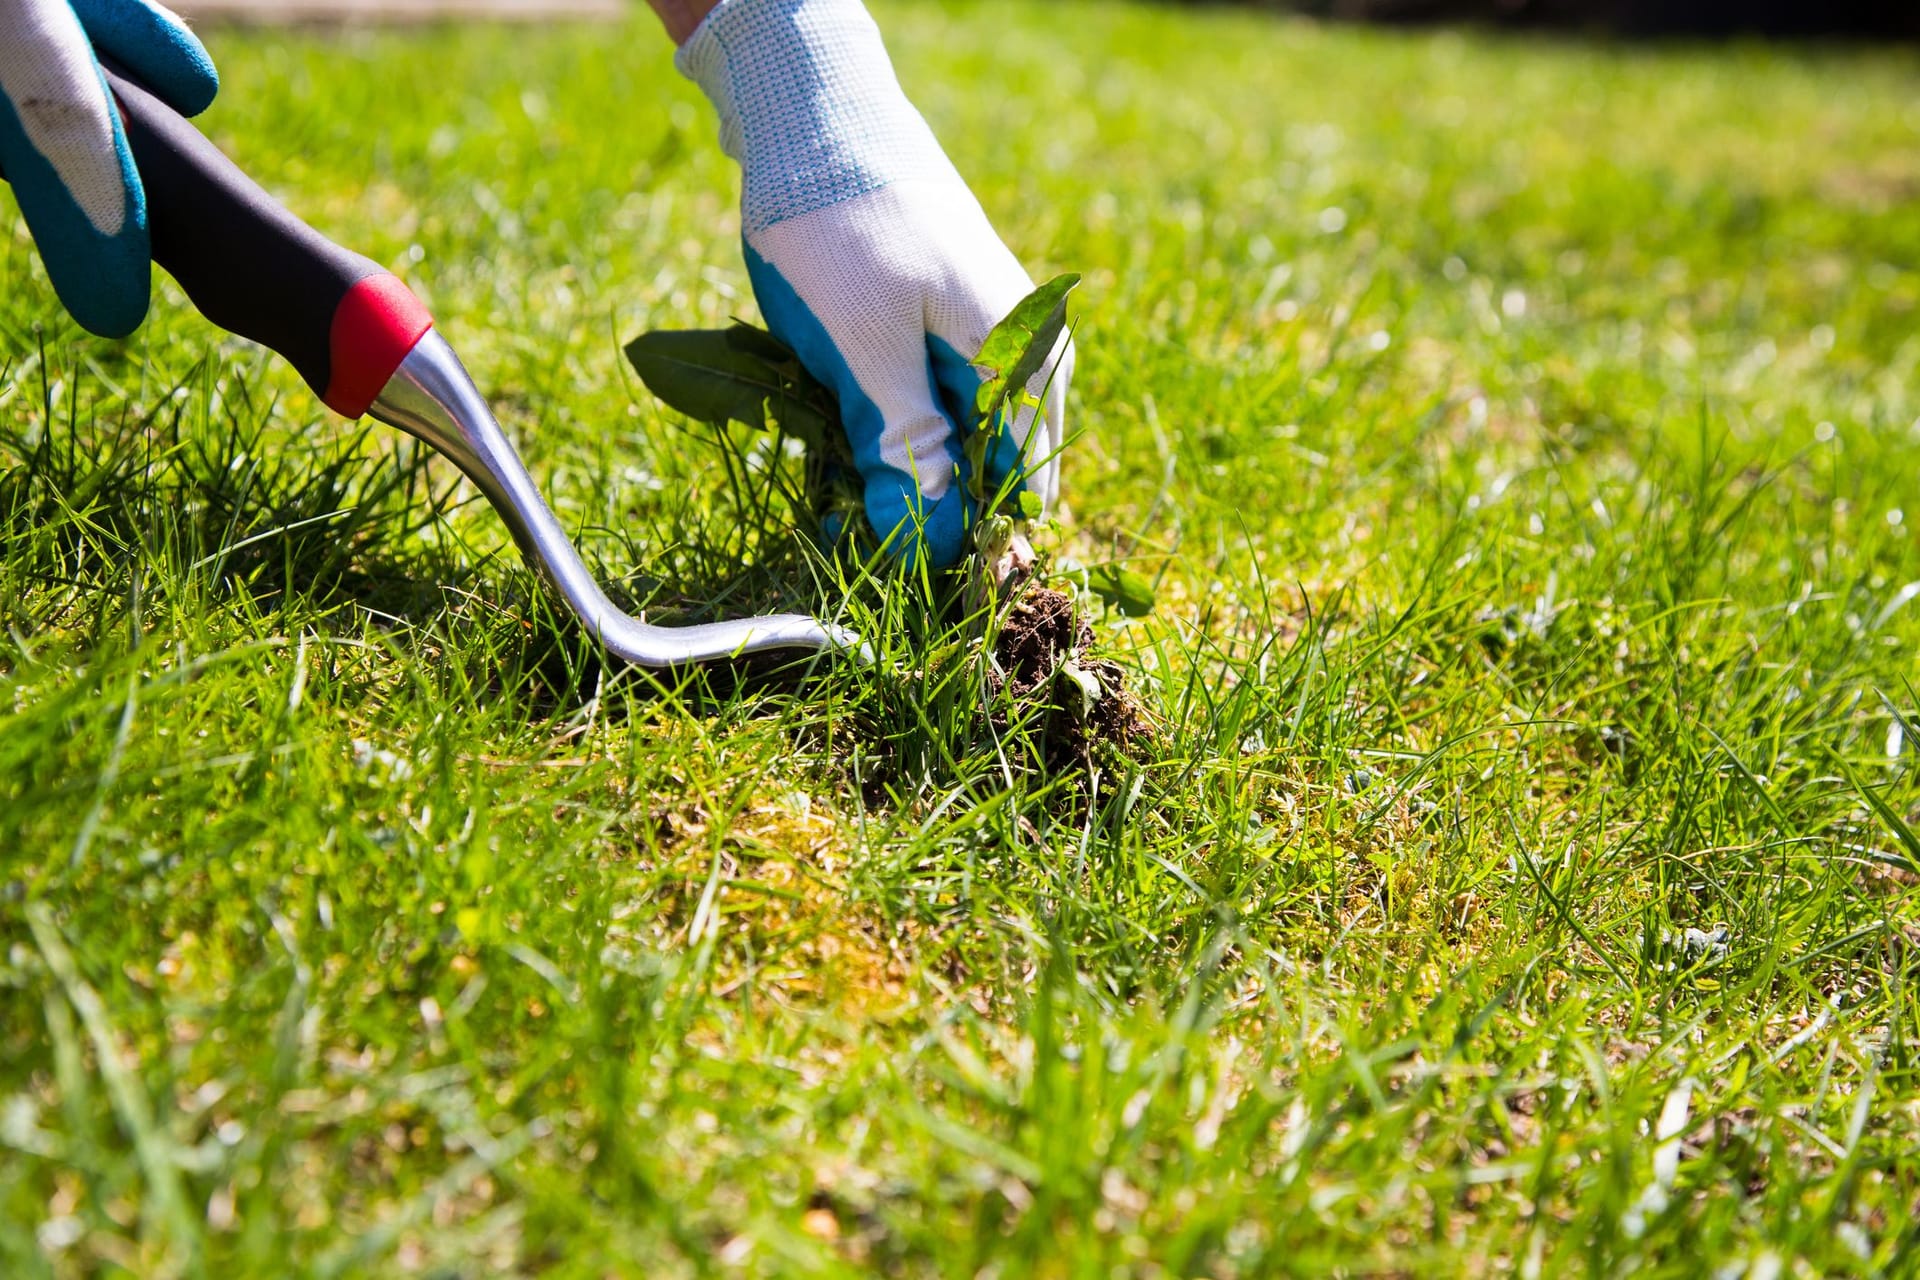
[[871, 258], [62, 147]]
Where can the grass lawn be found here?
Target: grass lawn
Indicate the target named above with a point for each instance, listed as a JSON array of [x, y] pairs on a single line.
[[1523, 875]]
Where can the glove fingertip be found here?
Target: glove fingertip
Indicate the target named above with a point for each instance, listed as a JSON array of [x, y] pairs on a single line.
[[105, 281], [112, 316], [183, 76], [197, 82], [157, 47], [106, 291]]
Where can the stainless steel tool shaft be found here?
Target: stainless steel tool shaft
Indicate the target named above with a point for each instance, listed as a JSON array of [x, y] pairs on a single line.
[[431, 397]]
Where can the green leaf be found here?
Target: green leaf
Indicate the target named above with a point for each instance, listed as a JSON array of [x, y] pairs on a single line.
[[1124, 589], [752, 340], [1086, 684], [1019, 345], [1031, 508], [701, 373], [741, 374]]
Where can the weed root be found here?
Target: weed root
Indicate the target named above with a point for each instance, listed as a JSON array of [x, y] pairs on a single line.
[[1045, 662]]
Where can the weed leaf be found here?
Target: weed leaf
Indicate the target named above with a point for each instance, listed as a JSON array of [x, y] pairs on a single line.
[[705, 376], [754, 341], [742, 374], [1017, 346], [1124, 589]]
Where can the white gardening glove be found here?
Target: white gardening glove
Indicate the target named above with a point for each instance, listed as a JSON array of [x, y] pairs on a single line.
[[871, 258], [62, 147]]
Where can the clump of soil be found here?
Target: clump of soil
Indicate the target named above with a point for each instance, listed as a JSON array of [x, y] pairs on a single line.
[[1042, 632]]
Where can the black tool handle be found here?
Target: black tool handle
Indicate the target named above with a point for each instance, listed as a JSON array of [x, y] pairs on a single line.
[[255, 269]]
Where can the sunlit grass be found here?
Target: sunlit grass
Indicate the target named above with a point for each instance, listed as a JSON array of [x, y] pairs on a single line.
[[1523, 438]]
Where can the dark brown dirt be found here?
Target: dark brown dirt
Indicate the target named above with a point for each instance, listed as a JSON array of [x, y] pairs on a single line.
[[1043, 630]]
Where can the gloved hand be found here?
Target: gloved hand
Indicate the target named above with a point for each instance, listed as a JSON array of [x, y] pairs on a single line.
[[870, 258], [62, 147]]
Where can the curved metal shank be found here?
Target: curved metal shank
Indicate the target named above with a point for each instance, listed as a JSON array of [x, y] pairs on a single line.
[[432, 398]]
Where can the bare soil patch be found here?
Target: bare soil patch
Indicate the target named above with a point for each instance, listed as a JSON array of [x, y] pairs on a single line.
[[1043, 633]]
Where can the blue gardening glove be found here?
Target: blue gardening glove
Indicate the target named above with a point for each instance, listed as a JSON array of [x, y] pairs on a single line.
[[62, 147], [871, 259]]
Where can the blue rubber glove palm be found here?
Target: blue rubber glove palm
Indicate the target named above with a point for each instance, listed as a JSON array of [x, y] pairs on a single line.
[[871, 259], [63, 149]]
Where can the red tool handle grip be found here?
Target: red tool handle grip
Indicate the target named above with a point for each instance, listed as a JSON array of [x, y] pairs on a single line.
[[256, 270]]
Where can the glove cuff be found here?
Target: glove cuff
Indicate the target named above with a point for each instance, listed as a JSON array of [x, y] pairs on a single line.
[[809, 105]]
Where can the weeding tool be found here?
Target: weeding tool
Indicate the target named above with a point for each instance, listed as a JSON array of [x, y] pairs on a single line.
[[366, 345]]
